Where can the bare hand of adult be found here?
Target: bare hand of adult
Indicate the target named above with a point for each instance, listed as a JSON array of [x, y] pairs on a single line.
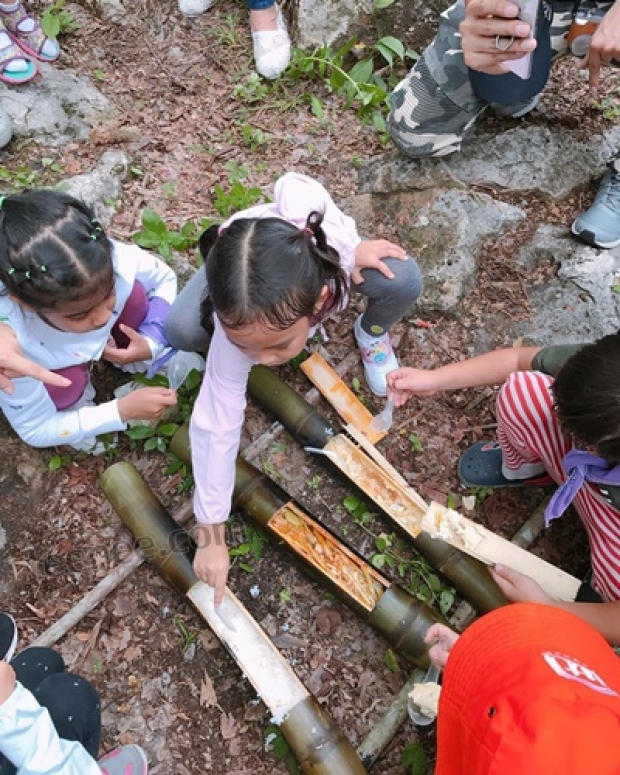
[[604, 46], [7, 681], [369, 254], [13, 364], [146, 403], [137, 350], [487, 25], [518, 587], [444, 639]]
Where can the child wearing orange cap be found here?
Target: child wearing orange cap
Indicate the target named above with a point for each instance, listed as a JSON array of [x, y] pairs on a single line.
[[527, 690]]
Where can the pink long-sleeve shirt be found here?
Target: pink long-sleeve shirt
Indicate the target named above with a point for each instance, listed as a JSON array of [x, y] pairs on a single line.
[[215, 428]]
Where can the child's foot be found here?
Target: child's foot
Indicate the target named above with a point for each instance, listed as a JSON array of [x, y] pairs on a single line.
[[15, 68], [126, 760], [481, 466], [26, 32], [378, 357], [272, 45], [8, 637], [194, 8]]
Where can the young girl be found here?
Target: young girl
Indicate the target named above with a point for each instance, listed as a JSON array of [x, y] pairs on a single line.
[[272, 274], [70, 296], [558, 415]]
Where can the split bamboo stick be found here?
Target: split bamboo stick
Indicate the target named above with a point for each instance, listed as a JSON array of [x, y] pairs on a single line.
[[314, 737]]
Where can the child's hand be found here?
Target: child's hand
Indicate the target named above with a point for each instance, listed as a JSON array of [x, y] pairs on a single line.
[[445, 639], [147, 403], [406, 382], [211, 562], [7, 681], [518, 587], [137, 350], [369, 255]]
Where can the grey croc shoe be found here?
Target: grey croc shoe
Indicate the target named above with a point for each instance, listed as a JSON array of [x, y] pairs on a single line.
[[481, 466], [126, 760]]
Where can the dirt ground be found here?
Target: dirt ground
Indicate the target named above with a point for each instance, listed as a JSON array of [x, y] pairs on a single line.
[[165, 680]]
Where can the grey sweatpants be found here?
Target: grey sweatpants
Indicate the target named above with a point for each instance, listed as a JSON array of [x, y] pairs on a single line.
[[434, 108], [388, 302]]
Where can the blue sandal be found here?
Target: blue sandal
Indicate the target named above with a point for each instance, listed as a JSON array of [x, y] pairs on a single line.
[[481, 466]]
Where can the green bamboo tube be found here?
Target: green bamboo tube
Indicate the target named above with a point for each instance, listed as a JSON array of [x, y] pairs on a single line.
[[397, 615], [470, 577], [314, 737]]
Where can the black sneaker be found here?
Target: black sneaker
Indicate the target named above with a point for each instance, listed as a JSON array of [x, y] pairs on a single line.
[[8, 637]]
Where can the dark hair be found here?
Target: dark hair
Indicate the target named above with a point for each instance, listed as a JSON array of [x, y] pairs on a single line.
[[587, 397], [52, 249], [266, 270]]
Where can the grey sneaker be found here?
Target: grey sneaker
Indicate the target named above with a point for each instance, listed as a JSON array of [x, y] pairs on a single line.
[[126, 760], [600, 225], [6, 128]]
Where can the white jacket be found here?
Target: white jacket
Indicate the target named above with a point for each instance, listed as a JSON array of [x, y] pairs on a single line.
[[30, 410], [30, 741]]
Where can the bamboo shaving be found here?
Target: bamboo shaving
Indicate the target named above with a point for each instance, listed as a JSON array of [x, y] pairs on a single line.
[[328, 555], [376, 483], [441, 522]]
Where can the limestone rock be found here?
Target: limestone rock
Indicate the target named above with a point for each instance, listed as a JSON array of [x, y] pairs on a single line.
[[102, 184]]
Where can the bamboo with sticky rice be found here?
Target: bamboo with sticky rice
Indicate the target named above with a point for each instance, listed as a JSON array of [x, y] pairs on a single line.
[[470, 577], [313, 735], [389, 609]]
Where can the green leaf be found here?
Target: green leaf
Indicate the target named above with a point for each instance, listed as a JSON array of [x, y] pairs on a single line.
[[380, 4], [415, 759], [169, 429], [151, 444], [240, 551], [415, 442], [247, 568], [392, 44], [446, 600], [140, 432], [391, 661], [50, 25], [362, 71], [316, 106], [351, 502], [451, 501], [285, 596], [378, 560], [55, 463], [153, 222]]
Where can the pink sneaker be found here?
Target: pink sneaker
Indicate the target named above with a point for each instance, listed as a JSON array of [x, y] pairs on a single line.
[[126, 760]]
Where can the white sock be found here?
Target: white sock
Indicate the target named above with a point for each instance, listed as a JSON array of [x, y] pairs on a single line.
[[17, 65]]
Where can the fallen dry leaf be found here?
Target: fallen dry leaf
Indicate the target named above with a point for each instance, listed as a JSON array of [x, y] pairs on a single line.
[[208, 697], [228, 726]]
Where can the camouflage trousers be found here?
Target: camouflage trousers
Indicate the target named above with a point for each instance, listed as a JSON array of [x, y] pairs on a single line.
[[434, 108]]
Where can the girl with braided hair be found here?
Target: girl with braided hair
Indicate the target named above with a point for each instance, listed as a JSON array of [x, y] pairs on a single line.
[[272, 274], [71, 296]]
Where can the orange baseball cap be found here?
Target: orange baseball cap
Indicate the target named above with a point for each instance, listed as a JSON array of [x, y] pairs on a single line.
[[530, 690]]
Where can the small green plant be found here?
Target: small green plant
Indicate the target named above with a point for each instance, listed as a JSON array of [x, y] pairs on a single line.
[[415, 442], [170, 189], [22, 177], [57, 20], [227, 31], [59, 461], [252, 546], [285, 596], [188, 636], [274, 742], [315, 482], [392, 553], [99, 75], [356, 385], [253, 137], [238, 197], [53, 166], [414, 759], [609, 107], [153, 436], [252, 90], [364, 85], [155, 234], [481, 494]]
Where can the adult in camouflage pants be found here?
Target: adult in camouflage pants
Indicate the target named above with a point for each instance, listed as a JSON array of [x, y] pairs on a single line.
[[434, 108]]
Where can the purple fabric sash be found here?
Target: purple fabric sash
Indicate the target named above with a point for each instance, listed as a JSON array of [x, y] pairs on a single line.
[[580, 467]]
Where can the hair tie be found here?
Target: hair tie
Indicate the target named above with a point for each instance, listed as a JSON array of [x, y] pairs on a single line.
[[43, 268], [2, 198], [96, 225], [27, 274], [11, 270], [92, 236]]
